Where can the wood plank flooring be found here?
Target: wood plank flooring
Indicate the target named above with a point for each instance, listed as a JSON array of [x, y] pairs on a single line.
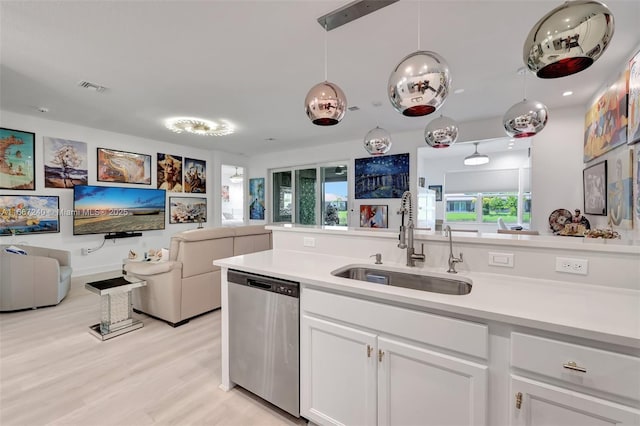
[[54, 372]]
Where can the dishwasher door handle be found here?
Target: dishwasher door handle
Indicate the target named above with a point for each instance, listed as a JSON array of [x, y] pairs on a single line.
[[255, 283]]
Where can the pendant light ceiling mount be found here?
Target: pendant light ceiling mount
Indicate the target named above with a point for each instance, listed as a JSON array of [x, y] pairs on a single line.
[[568, 39], [476, 159]]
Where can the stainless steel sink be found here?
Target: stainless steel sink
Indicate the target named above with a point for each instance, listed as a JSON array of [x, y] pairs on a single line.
[[430, 283]]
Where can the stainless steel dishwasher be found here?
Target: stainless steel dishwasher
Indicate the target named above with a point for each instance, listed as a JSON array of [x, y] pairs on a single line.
[[264, 336]]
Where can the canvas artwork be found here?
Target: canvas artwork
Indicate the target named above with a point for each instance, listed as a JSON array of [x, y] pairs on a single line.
[[384, 176], [438, 190], [29, 214], [187, 210], [619, 189], [256, 199], [374, 216], [606, 120], [636, 191], [17, 159], [123, 167], [170, 172], [633, 111], [195, 176], [594, 181], [65, 163], [225, 193]]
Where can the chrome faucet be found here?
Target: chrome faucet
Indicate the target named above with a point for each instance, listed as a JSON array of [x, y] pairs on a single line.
[[406, 233], [452, 259]]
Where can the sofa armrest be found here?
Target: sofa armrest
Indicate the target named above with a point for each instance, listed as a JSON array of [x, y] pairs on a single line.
[[151, 268], [62, 256]]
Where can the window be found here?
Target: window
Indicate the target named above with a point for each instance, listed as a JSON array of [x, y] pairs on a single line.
[[486, 195], [317, 196]]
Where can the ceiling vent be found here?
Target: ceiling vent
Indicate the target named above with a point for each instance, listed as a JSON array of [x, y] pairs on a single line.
[[91, 86]]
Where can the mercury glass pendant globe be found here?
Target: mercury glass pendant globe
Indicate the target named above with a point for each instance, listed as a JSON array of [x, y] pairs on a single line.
[[568, 39], [525, 119], [419, 84], [441, 132], [377, 141], [325, 104]]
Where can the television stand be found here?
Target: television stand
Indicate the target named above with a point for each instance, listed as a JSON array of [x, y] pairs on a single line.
[[114, 235]]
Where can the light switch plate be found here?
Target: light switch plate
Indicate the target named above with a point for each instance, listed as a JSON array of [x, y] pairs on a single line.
[[501, 259]]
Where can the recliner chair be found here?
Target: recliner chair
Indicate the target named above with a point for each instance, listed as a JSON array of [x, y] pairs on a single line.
[[40, 278]]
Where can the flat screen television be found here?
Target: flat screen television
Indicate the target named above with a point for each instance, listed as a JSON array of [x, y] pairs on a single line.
[[117, 211]]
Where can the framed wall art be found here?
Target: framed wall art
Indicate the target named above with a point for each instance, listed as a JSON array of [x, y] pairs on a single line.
[[195, 176], [65, 163], [606, 120], [633, 110], [29, 214], [17, 159], [187, 210], [225, 194], [438, 189], [384, 176], [619, 189], [374, 216], [170, 172], [594, 181], [256, 199], [123, 167]]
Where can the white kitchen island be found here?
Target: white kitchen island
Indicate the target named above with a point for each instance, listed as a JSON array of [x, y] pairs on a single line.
[[512, 351]]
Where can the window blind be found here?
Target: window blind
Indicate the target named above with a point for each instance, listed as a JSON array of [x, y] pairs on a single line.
[[505, 180]]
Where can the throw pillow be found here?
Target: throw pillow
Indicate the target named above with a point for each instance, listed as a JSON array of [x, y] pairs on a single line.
[[15, 250]]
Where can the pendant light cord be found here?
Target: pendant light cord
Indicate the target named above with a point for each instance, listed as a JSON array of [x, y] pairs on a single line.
[[419, 21], [326, 55], [524, 84]]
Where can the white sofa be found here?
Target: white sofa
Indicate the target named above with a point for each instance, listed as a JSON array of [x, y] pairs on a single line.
[[40, 278], [188, 284]]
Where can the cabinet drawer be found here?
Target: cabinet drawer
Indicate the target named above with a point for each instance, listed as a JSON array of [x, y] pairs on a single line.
[[457, 335], [605, 371]]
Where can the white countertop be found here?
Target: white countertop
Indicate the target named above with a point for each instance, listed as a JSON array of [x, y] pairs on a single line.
[[539, 241], [605, 314]]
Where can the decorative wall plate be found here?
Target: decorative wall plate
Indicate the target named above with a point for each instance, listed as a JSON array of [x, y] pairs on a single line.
[[558, 218]]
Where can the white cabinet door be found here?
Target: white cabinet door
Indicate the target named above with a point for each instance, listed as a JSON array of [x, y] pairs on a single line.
[[338, 373], [547, 405], [419, 386]]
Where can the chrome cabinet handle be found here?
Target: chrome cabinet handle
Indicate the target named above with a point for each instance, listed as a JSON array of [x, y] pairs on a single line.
[[571, 365]]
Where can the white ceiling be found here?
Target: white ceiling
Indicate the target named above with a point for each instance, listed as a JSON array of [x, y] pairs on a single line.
[[253, 62]]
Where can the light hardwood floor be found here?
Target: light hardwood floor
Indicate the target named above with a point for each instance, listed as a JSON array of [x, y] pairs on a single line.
[[54, 372]]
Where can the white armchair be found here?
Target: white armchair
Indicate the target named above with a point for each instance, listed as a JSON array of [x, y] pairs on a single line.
[[40, 278]]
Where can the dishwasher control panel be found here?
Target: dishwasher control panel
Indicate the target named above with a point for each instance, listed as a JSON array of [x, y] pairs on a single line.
[[264, 283]]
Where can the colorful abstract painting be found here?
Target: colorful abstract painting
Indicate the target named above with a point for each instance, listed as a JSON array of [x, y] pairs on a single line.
[[65, 163], [620, 189], [29, 214], [606, 120], [374, 216], [256, 199], [123, 167], [382, 176], [636, 191], [17, 159], [633, 112]]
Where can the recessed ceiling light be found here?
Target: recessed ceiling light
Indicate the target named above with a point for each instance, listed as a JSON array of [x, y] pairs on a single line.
[[270, 139], [567, 93], [199, 126], [458, 91], [43, 109], [353, 108]]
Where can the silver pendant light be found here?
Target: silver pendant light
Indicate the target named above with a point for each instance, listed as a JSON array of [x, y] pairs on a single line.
[[526, 118], [441, 132], [325, 104], [568, 39], [377, 141], [420, 83], [476, 159]]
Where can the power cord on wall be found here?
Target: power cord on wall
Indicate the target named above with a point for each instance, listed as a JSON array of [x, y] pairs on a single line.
[[86, 251]]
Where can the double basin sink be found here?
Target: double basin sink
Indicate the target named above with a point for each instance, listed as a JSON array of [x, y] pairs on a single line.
[[431, 283]]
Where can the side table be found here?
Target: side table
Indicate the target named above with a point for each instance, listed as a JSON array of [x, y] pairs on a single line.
[[115, 306]]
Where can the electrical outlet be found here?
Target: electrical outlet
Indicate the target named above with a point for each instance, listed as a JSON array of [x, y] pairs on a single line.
[[572, 266], [85, 251], [309, 242]]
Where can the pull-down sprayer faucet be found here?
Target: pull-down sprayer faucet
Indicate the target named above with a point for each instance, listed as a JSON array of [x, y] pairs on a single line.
[[406, 238]]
